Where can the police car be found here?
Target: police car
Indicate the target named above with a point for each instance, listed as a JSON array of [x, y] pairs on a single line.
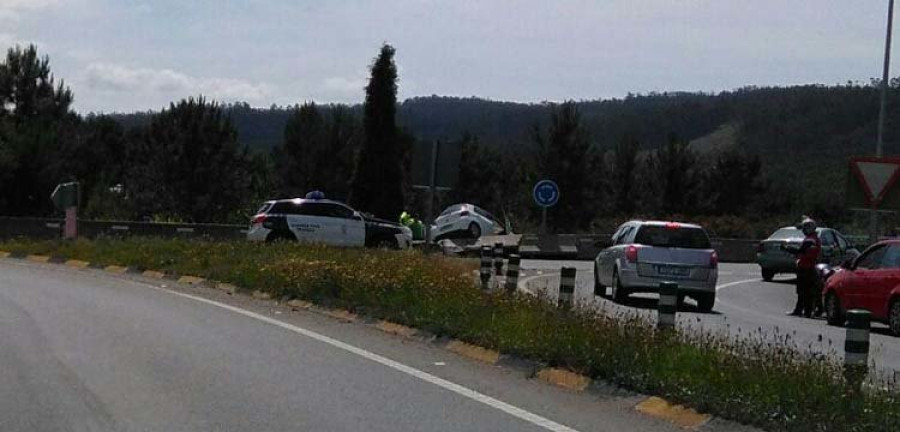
[[318, 220]]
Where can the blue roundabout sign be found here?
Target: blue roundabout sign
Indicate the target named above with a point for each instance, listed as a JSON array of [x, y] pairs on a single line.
[[546, 193]]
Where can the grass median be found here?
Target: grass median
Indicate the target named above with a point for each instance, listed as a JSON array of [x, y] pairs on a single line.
[[759, 379]]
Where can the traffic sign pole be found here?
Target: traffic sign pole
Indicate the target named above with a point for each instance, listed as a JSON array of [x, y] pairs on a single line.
[[545, 194], [543, 220], [71, 229]]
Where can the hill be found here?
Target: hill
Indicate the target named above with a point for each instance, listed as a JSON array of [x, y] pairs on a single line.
[[802, 134]]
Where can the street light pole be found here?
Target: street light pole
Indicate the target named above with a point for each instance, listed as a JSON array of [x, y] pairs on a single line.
[[879, 143], [884, 80]]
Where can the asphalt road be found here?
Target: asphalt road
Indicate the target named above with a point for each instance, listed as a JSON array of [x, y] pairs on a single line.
[[81, 350], [745, 304]]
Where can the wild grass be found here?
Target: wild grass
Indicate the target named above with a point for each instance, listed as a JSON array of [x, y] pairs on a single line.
[[758, 379]]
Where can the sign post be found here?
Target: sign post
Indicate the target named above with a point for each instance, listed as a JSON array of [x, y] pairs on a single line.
[[65, 198], [435, 167], [546, 194]]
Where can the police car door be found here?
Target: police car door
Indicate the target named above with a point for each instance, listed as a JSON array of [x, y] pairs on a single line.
[[328, 228], [304, 223], [350, 226]]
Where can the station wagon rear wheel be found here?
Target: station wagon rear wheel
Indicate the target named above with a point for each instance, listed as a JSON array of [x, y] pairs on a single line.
[[768, 275], [619, 294], [599, 289]]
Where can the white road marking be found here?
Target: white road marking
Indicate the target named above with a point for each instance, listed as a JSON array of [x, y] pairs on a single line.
[[719, 287], [400, 367]]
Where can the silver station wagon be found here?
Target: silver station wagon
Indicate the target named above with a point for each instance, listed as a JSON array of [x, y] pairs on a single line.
[[645, 253]]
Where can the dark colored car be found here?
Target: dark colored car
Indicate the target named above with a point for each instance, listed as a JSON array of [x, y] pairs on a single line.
[[773, 258], [871, 282]]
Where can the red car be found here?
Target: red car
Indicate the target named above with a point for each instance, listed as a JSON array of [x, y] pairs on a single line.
[[871, 282]]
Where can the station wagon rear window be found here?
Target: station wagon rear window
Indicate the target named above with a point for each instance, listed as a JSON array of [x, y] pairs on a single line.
[[680, 237]]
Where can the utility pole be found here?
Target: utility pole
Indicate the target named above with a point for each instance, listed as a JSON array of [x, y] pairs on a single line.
[[879, 146], [879, 143]]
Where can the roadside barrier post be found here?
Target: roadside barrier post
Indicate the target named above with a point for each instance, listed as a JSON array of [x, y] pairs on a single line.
[[667, 306], [856, 347], [512, 273], [566, 287], [486, 268], [498, 259]]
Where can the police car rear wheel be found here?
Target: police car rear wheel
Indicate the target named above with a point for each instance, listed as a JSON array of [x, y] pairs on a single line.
[[280, 237], [386, 243]]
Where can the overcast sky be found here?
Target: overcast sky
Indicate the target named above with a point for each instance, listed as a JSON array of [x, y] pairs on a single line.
[[126, 55]]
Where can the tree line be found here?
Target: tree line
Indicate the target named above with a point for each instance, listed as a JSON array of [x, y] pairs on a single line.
[[612, 159]]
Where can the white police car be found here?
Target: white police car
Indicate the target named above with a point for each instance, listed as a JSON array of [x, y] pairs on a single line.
[[324, 221]]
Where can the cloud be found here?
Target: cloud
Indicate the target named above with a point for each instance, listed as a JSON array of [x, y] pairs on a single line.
[[11, 10], [166, 84], [345, 86]]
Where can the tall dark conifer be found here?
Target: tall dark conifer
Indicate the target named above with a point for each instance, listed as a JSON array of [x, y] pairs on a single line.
[[377, 185]]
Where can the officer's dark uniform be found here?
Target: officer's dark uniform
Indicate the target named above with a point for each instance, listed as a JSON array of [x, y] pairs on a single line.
[[807, 279]]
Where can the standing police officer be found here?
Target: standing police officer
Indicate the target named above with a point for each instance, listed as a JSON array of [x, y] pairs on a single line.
[[807, 257]]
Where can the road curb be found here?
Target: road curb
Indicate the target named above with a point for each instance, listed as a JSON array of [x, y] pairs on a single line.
[[153, 274], [227, 287], [261, 295], [341, 314], [114, 269], [473, 352], [564, 378], [78, 264], [191, 280], [4, 254], [38, 258], [297, 304], [682, 416], [395, 329]]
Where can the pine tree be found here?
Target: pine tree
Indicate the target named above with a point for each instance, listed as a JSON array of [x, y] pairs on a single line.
[[318, 152], [35, 118], [188, 165], [565, 155], [624, 169], [377, 185]]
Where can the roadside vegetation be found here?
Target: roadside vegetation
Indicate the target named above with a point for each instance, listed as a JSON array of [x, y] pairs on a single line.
[[762, 380]]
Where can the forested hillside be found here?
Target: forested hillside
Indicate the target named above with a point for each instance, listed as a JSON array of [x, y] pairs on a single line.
[[743, 161]]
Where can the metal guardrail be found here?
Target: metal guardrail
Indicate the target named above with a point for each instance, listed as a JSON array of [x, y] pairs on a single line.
[[564, 246], [51, 228]]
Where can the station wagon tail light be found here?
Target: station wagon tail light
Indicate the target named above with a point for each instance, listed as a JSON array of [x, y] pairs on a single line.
[[714, 260], [672, 226], [631, 253], [761, 247], [258, 219]]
